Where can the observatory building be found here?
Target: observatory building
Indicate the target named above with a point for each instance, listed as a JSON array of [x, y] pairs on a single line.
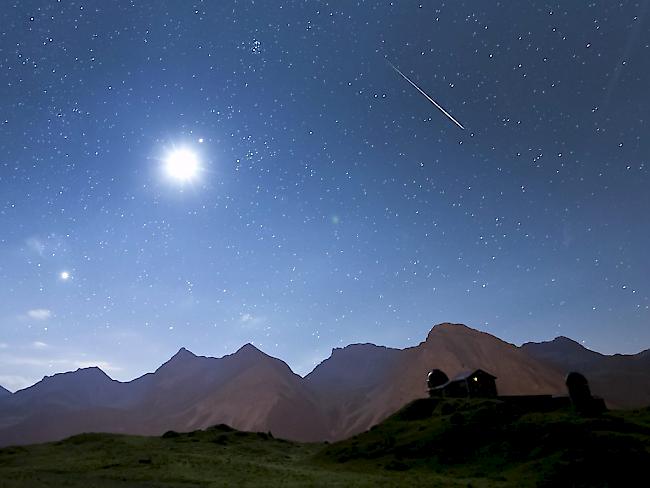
[[468, 384]]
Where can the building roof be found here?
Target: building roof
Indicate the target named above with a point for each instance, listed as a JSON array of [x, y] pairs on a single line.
[[463, 376], [471, 372]]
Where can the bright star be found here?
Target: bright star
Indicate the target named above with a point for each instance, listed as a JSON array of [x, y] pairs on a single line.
[[64, 275], [182, 165]]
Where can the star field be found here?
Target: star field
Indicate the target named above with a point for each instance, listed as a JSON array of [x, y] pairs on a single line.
[[332, 203]]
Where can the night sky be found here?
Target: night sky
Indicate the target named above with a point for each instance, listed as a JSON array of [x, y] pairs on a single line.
[[332, 202]]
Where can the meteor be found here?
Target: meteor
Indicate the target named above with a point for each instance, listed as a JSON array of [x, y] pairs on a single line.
[[437, 105]]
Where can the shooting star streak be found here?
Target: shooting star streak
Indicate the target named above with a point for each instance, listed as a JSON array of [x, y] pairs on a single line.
[[427, 96]]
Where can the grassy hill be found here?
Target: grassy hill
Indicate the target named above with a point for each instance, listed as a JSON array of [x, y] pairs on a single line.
[[428, 443], [495, 442]]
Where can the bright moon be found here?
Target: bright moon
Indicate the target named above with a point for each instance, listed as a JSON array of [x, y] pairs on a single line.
[[182, 165]]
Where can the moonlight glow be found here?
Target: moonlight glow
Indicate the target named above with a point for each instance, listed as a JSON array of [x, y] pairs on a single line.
[[182, 165]]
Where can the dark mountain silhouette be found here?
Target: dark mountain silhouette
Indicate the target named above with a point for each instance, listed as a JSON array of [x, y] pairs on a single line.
[[4, 392], [350, 385], [58, 406], [622, 380], [248, 390], [363, 384], [562, 349], [355, 388], [84, 387]]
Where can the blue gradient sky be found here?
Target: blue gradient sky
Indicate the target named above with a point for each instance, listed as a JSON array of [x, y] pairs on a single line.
[[335, 204]]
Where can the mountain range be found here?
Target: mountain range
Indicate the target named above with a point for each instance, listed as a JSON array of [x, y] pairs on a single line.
[[355, 388]]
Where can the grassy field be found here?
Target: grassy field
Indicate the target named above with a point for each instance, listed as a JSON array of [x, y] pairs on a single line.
[[428, 443], [494, 442]]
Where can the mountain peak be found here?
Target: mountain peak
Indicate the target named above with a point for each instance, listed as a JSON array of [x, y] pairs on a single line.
[[357, 353], [84, 373], [183, 356], [90, 370], [359, 347], [561, 343], [449, 329], [249, 349], [80, 378], [358, 364], [562, 350], [184, 353], [566, 341]]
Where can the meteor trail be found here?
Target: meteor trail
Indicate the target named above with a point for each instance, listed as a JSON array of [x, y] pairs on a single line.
[[427, 96]]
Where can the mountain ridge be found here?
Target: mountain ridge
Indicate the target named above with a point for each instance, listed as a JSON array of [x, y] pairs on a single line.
[[186, 352], [356, 387]]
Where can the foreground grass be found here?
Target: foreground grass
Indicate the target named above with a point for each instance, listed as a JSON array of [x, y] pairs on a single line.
[[495, 442], [215, 457], [428, 443]]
